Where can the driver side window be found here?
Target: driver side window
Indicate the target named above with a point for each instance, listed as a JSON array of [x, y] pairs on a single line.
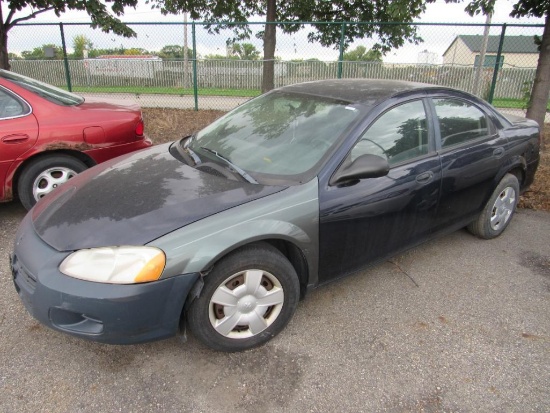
[[398, 135]]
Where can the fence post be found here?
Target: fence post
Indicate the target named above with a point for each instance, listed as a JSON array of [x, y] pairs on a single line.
[[65, 60], [497, 64], [341, 54], [195, 86]]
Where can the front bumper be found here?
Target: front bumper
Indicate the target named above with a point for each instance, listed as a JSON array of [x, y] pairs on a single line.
[[107, 313]]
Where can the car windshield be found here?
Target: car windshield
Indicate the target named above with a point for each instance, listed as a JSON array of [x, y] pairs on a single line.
[[49, 92], [278, 137]]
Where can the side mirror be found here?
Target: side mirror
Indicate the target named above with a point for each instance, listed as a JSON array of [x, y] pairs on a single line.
[[365, 166]]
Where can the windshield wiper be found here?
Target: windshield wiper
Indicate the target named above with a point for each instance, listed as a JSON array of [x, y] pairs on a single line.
[[193, 155], [240, 171]]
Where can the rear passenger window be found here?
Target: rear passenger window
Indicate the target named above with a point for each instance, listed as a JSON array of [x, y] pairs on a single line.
[[459, 122], [398, 135], [10, 107]]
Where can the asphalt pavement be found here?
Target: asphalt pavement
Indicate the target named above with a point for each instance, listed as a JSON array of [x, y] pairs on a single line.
[[456, 325]]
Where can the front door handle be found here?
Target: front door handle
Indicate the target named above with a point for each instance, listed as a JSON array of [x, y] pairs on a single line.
[[15, 138], [425, 177], [498, 152]]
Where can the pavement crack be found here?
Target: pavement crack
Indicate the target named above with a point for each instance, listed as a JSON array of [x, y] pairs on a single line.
[[404, 272]]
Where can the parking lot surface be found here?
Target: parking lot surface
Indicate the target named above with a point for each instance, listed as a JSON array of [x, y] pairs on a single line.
[[456, 325]]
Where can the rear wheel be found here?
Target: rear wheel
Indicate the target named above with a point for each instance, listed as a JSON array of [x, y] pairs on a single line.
[[247, 299], [43, 175], [498, 211]]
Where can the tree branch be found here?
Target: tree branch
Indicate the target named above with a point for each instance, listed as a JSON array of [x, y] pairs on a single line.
[[30, 16], [10, 15]]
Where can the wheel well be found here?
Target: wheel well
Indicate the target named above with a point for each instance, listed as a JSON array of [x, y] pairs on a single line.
[[287, 248], [296, 258], [519, 173], [75, 154]]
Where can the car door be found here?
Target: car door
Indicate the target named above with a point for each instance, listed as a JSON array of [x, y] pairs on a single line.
[[18, 132], [470, 148], [377, 217]]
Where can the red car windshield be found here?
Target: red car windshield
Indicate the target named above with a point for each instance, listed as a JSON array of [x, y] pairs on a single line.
[[49, 92]]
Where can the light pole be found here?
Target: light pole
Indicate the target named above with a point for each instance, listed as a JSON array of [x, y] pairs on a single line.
[[185, 50], [482, 52]]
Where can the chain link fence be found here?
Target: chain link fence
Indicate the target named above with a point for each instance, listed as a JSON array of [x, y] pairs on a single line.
[[194, 65]]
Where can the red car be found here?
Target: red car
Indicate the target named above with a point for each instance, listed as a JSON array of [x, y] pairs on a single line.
[[48, 135]]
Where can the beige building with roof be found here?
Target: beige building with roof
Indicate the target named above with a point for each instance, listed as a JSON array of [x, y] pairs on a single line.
[[517, 51]]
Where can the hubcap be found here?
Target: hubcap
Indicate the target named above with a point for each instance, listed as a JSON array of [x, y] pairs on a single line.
[[503, 208], [50, 179], [246, 303]]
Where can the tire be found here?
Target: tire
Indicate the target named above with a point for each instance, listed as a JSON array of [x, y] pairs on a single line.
[[241, 281], [44, 174], [498, 211]]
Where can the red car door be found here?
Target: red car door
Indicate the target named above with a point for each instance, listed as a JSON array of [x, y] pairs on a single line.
[[18, 134]]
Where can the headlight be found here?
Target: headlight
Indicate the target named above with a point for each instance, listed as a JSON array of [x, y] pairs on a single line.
[[116, 265]]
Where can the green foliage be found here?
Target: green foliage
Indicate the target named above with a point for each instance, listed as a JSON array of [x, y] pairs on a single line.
[[526, 93], [38, 53], [361, 54], [219, 57], [102, 18], [174, 51], [236, 11], [135, 51], [530, 8], [535, 8], [81, 43], [538, 95], [245, 51], [106, 52]]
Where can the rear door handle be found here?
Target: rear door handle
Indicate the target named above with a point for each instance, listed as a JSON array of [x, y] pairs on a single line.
[[425, 177], [15, 138], [498, 152]]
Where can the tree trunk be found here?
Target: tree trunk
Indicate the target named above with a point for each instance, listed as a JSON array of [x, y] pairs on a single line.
[[4, 57], [270, 34], [541, 86]]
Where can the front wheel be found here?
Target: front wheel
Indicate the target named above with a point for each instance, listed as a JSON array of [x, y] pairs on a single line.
[[43, 175], [247, 299], [498, 211]]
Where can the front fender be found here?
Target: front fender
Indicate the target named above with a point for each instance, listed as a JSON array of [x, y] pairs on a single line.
[[291, 215]]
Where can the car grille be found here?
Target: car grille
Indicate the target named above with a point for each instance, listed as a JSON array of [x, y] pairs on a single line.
[[22, 275]]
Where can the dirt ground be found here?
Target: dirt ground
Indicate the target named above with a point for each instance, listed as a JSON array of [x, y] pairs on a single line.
[[165, 125]]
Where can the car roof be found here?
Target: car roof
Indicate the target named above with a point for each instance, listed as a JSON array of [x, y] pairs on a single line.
[[357, 90]]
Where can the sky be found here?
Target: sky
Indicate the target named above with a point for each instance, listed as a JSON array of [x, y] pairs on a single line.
[[436, 38]]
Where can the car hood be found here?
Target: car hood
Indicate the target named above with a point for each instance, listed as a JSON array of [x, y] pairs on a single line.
[[135, 199]]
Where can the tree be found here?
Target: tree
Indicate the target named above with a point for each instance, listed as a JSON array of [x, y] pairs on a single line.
[[39, 53], [174, 51], [236, 11], [81, 43], [536, 108], [216, 56], [104, 52], [361, 54], [135, 51], [97, 9], [245, 51]]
